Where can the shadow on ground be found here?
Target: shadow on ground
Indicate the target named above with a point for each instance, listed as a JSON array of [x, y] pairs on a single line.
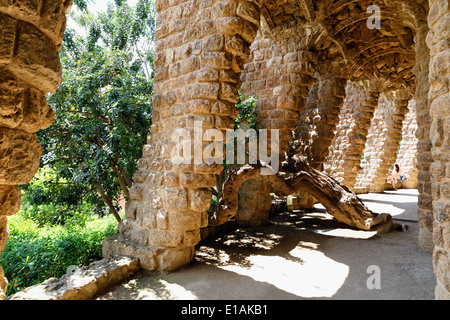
[[298, 255]]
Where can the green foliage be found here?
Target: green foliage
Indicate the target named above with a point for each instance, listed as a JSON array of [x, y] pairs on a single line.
[[34, 254], [82, 4], [247, 113], [103, 117], [103, 107], [48, 199]]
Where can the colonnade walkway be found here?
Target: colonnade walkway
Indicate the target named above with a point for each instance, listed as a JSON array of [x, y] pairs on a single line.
[[301, 256]]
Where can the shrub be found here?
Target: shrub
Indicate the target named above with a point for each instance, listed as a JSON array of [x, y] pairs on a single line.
[[34, 254]]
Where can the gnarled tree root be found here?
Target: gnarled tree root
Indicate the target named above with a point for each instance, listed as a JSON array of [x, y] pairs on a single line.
[[339, 201]]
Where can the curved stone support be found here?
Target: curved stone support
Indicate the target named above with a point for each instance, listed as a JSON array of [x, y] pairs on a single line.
[[315, 131]]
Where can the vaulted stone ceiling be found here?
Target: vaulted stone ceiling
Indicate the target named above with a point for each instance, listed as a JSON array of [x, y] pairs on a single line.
[[338, 33]]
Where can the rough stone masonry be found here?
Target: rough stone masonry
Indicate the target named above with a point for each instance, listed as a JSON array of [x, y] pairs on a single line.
[[332, 84]]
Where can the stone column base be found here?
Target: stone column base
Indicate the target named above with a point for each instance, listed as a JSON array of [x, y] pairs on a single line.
[[150, 258], [255, 203]]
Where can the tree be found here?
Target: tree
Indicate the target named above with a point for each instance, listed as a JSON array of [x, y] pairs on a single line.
[[103, 107]]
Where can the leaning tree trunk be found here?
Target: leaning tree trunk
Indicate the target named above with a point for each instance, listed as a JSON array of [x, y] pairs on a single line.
[[339, 201]]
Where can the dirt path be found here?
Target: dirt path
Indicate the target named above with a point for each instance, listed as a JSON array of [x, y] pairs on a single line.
[[301, 256]]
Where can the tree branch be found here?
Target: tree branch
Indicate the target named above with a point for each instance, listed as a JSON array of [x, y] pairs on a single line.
[[108, 202], [339, 201], [121, 181]]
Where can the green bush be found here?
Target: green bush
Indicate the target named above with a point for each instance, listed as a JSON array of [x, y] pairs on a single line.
[[34, 254]]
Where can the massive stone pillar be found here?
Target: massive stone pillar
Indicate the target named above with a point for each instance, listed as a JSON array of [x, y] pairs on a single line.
[[343, 162], [438, 41], [383, 140], [31, 35], [201, 49]]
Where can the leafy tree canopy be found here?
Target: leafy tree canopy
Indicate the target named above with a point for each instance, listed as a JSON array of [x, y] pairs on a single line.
[[103, 107]]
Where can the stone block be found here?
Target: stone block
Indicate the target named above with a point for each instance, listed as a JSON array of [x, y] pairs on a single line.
[[37, 114], [11, 100], [20, 154], [165, 238], [10, 200], [200, 199], [185, 221], [175, 199], [172, 259], [249, 11], [36, 59], [83, 283], [195, 181], [8, 28]]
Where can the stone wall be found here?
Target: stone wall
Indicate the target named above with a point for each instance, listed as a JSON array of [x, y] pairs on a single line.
[[438, 41], [31, 35]]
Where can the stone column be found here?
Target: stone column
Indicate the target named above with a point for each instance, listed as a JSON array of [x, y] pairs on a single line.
[[343, 162], [438, 41], [315, 131], [383, 140], [31, 35], [287, 99], [201, 49], [254, 195], [407, 155], [280, 76], [424, 158], [287, 94]]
